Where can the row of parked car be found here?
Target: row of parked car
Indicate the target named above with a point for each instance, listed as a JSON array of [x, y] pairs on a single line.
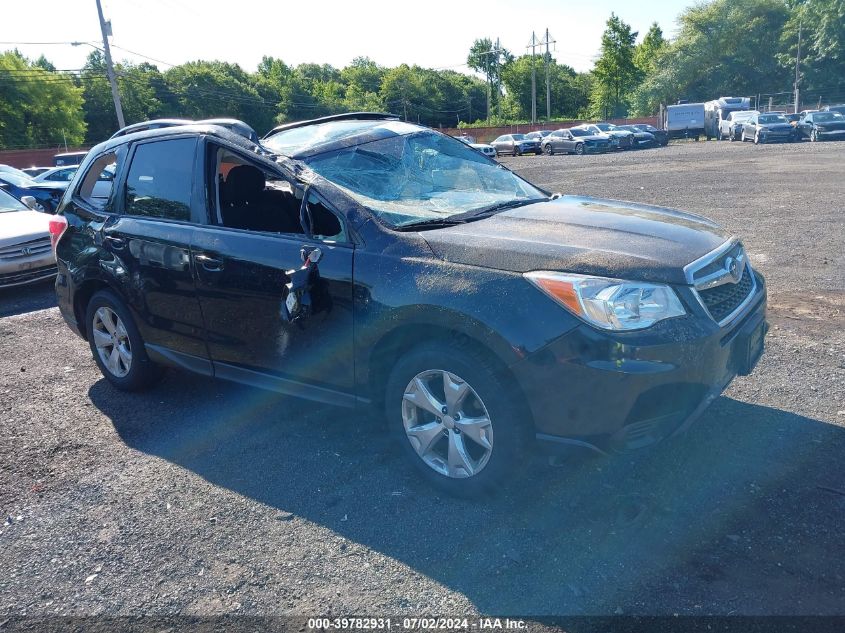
[[587, 138], [766, 127]]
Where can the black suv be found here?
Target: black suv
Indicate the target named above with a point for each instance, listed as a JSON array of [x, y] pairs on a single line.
[[363, 261]]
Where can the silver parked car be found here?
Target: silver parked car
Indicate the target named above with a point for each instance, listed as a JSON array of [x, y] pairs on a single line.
[[26, 255]]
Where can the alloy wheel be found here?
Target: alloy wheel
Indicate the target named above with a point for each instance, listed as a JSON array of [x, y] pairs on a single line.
[[112, 342], [447, 424]]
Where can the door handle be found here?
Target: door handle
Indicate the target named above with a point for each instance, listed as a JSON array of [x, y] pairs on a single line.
[[116, 243], [211, 264]]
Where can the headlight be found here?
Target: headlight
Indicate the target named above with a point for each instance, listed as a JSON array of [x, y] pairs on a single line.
[[610, 304]]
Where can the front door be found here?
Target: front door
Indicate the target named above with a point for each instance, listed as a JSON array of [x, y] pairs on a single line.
[[246, 259]]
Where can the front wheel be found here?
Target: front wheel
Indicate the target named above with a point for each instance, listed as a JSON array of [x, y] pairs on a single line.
[[579, 149], [117, 345], [457, 421], [814, 136], [517, 151], [548, 150]]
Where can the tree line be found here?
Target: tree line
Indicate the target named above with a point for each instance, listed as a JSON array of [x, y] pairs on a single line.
[[736, 47]]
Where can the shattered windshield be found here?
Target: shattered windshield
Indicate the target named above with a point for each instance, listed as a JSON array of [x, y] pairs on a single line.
[[422, 176]]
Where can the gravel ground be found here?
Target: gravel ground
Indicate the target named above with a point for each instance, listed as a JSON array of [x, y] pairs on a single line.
[[205, 498]]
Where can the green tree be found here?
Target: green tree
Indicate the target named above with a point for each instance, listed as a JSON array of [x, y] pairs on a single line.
[[38, 106], [822, 24], [205, 89], [615, 71], [647, 52], [481, 59], [567, 96], [723, 47], [363, 84], [139, 96]]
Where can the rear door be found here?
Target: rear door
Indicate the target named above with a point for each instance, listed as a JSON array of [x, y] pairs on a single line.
[[149, 243], [249, 260]]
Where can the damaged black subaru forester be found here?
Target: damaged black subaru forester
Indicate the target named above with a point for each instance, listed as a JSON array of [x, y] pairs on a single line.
[[363, 261]]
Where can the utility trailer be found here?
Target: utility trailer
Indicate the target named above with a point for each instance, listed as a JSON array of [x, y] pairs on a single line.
[[684, 120]]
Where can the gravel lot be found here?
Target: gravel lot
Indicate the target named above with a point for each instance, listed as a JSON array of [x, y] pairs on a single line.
[[205, 498]]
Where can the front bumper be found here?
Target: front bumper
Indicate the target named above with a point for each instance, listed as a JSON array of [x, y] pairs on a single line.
[[29, 276], [611, 392], [831, 134]]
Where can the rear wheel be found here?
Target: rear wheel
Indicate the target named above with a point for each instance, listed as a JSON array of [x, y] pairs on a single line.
[[814, 136], [548, 149], [517, 151], [757, 138], [117, 345], [457, 421], [579, 149]]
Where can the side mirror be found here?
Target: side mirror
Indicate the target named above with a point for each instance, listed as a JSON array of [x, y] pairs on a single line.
[[31, 202]]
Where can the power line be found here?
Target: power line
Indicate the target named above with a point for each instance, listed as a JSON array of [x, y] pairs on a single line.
[[153, 59]]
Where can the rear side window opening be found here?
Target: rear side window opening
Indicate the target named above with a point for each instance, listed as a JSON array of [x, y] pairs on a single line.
[[96, 185]]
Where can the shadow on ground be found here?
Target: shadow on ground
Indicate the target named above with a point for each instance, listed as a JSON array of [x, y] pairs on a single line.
[[732, 518], [23, 299]]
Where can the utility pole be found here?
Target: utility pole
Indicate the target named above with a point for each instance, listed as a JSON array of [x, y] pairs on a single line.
[[548, 40], [797, 62], [487, 77], [105, 27], [533, 45]]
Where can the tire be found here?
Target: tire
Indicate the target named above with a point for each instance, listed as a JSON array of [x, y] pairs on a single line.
[[548, 150], [517, 151], [742, 136], [579, 149], [814, 136], [131, 369], [443, 449], [757, 139]]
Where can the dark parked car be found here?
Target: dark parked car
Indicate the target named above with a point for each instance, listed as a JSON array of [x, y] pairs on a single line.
[[575, 141], [767, 127], [619, 139], [47, 195], [819, 126], [516, 144], [661, 136], [836, 108], [369, 262], [641, 137]]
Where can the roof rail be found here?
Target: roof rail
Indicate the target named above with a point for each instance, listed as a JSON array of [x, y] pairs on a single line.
[[347, 116], [233, 125]]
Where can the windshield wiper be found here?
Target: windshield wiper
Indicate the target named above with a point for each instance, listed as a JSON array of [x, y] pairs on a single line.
[[469, 216], [431, 223], [477, 214]]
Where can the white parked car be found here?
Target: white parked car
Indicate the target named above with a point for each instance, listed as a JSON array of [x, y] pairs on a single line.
[[26, 254], [484, 148], [731, 126], [61, 177]]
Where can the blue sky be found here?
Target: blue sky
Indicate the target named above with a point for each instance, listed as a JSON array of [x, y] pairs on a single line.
[[435, 34]]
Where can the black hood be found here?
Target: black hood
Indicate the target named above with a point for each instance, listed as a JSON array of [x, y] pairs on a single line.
[[583, 235]]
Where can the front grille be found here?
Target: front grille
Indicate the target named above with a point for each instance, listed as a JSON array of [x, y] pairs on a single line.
[[25, 249], [722, 300]]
